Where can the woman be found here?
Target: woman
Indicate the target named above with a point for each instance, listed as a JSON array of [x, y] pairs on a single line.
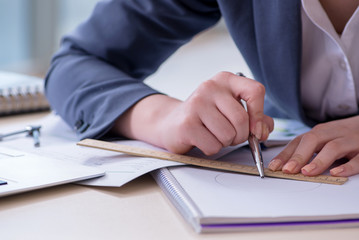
[[302, 54]]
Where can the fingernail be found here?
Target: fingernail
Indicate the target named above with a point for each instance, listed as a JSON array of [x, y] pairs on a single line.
[[309, 168], [258, 130], [265, 131], [274, 164], [290, 167], [337, 170]]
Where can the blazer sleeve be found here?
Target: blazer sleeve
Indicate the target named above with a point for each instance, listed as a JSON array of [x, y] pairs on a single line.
[[98, 72]]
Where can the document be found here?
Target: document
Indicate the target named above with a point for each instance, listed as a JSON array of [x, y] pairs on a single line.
[[58, 140]]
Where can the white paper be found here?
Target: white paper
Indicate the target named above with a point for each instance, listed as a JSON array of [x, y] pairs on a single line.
[[58, 141], [230, 197]]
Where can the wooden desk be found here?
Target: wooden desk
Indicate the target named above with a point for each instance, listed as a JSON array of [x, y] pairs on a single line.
[[138, 210]]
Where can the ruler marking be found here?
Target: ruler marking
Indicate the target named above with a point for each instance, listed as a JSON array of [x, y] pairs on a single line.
[[202, 162]]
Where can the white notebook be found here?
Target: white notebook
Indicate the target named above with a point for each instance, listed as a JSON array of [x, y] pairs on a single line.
[[217, 201]]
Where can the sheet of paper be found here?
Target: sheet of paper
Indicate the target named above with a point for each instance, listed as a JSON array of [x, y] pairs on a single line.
[[58, 140], [284, 131]]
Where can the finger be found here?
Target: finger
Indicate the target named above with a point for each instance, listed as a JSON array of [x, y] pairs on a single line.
[[253, 94], [348, 169], [217, 124], [236, 115], [302, 154], [333, 150], [250, 91], [269, 122], [267, 127], [190, 132], [324, 132], [200, 137], [278, 161]]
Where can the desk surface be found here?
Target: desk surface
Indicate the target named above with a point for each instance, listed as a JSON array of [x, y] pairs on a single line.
[[138, 210]]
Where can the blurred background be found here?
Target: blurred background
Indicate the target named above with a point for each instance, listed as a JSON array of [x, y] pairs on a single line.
[[31, 30]]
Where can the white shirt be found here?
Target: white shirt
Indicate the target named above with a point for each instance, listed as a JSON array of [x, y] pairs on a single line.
[[330, 64]]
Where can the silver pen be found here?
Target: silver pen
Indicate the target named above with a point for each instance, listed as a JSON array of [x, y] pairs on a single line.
[[33, 131], [254, 143]]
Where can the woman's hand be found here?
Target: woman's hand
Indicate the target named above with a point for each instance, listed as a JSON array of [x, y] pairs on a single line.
[[328, 142], [210, 119], [213, 117]]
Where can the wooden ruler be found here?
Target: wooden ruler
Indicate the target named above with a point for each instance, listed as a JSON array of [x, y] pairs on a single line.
[[207, 163]]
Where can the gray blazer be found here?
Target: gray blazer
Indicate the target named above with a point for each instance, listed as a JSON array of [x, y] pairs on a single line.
[[98, 72]]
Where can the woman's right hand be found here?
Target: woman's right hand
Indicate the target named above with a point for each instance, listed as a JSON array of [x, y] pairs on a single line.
[[210, 119]]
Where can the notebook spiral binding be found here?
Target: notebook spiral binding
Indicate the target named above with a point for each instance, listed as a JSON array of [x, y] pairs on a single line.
[[22, 97]]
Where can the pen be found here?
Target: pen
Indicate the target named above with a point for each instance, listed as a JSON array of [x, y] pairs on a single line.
[[254, 143], [33, 131]]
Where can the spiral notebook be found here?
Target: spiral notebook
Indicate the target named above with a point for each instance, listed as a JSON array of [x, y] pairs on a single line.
[[217, 201], [21, 94]]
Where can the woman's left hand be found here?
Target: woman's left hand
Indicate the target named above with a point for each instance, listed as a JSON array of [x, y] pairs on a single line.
[[329, 141]]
